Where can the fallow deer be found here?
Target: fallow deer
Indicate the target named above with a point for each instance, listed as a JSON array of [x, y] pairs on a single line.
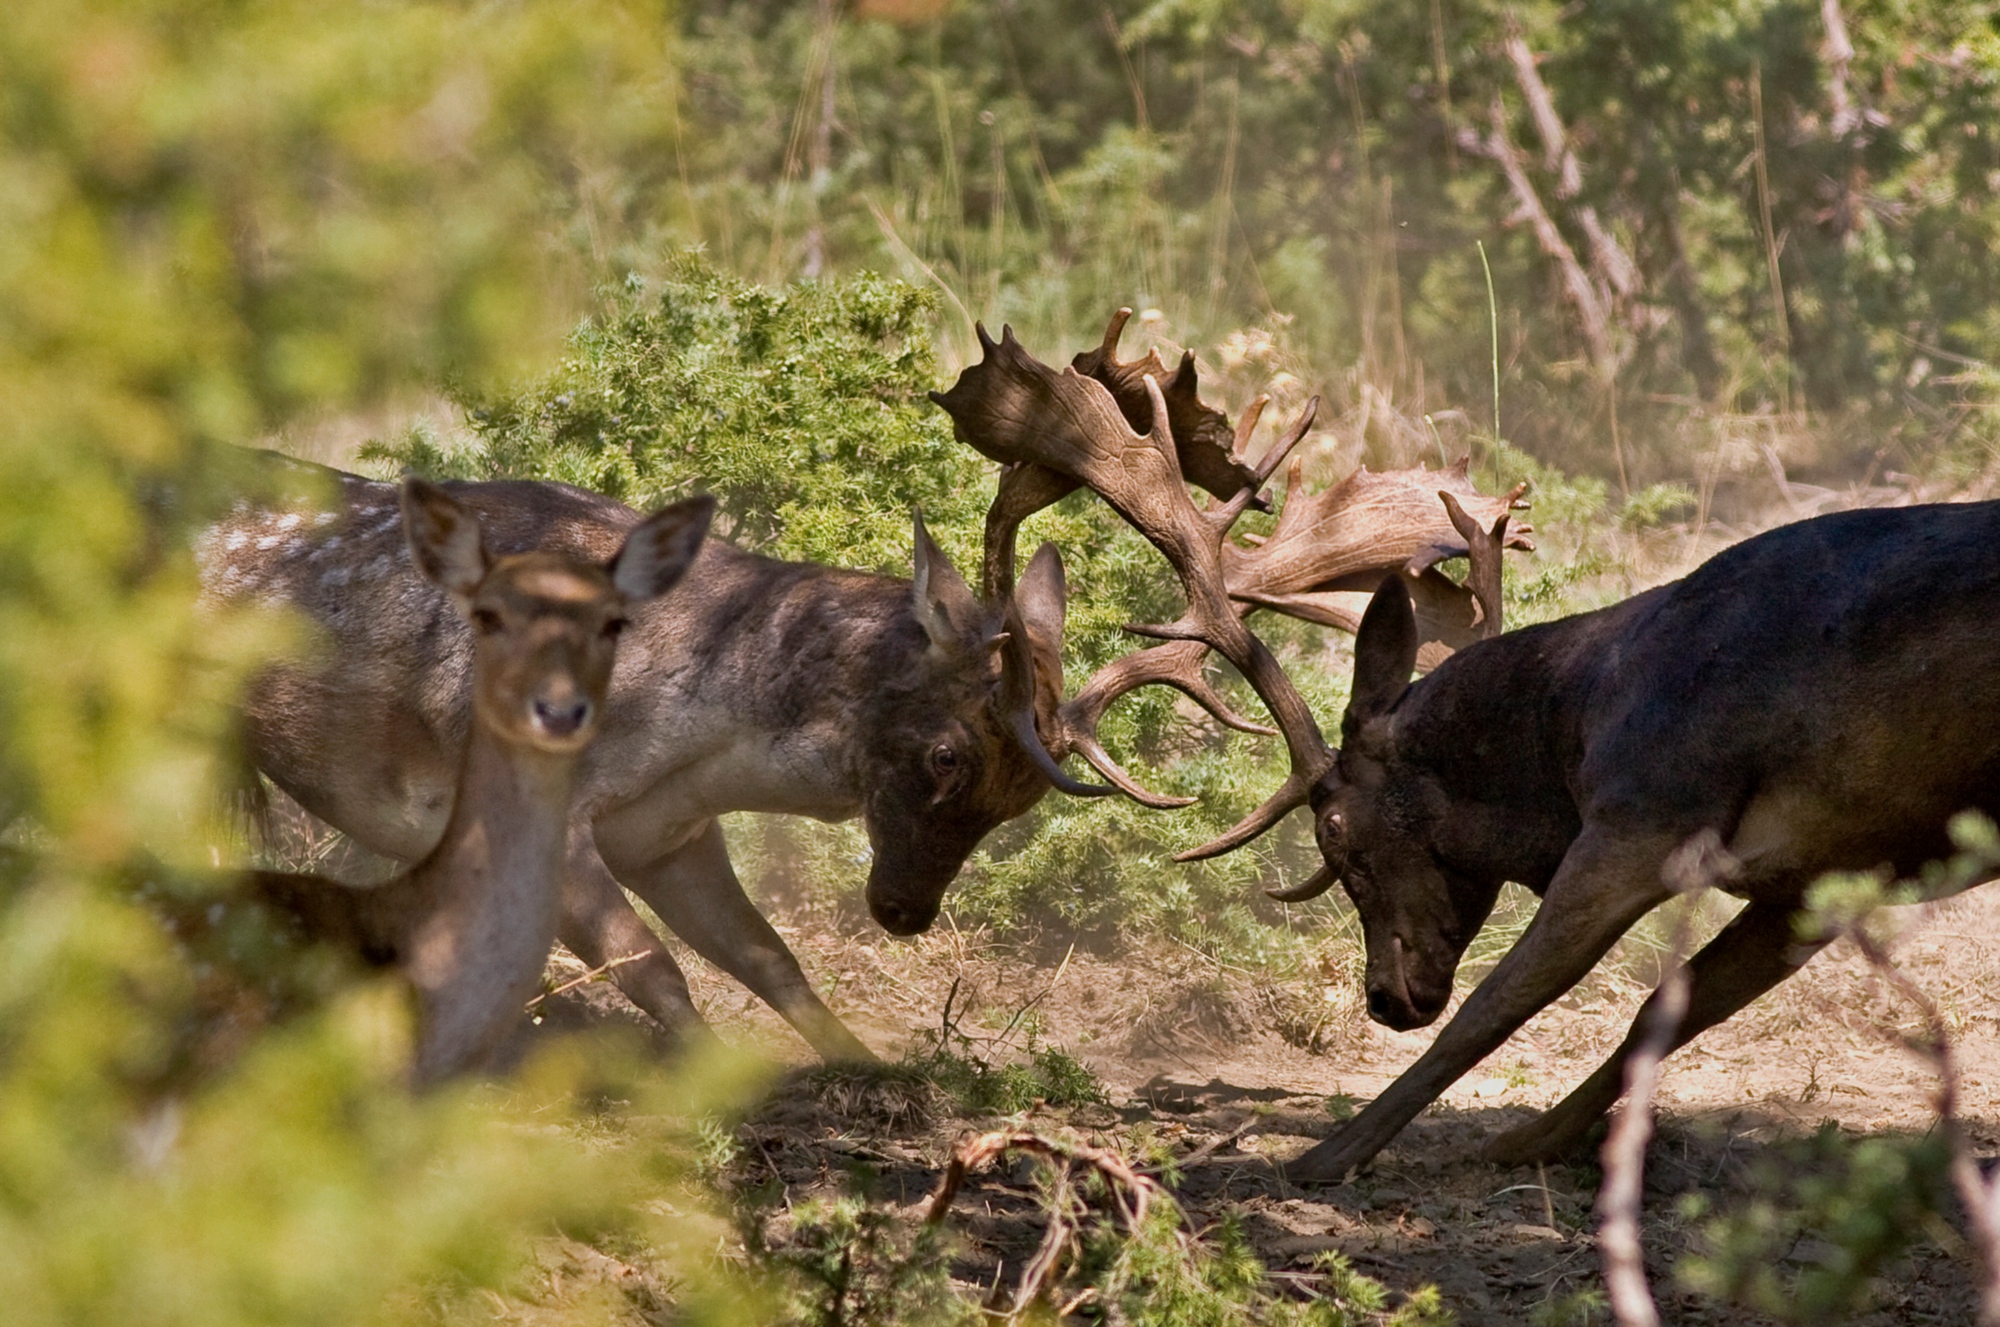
[[1823, 697], [471, 923], [761, 686]]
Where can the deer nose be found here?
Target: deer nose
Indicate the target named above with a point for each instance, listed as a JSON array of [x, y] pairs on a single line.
[[561, 718], [1394, 1009]]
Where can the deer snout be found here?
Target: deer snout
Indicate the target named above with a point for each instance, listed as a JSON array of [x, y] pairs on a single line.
[[899, 918], [1394, 999], [561, 717]]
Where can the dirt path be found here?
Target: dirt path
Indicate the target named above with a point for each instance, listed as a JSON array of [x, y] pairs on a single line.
[[1240, 1072]]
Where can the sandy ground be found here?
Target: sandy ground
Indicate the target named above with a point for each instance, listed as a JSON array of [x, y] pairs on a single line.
[[1237, 1072]]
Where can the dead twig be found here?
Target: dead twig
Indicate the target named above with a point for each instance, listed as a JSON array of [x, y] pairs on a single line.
[[593, 975], [1131, 1195], [1131, 1191], [1690, 870], [1980, 1195]]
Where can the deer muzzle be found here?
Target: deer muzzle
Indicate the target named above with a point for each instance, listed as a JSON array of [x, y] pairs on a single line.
[[562, 718], [1400, 998]]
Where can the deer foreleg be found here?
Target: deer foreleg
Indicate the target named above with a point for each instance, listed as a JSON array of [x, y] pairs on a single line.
[[1755, 952], [601, 928], [696, 893], [1606, 882]]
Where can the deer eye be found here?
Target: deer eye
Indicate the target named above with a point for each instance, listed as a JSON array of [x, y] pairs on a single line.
[[1331, 832], [944, 760], [613, 627], [486, 620]]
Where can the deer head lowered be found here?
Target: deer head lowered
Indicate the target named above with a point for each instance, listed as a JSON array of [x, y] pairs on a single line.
[[471, 924], [1006, 408], [1773, 716]]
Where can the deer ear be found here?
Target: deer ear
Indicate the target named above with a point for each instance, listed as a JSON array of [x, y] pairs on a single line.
[[660, 549], [940, 597], [1385, 652], [1042, 596], [444, 538]]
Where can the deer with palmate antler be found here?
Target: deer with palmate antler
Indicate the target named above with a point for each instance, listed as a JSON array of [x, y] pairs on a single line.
[[470, 925], [1822, 697]]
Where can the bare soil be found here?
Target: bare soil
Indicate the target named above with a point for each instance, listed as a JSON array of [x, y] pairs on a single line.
[[1235, 1071]]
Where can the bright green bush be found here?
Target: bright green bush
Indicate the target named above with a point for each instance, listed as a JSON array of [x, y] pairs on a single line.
[[803, 409]]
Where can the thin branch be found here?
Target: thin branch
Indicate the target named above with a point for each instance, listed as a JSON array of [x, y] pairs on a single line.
[[1980, 1195], [1612, 264], [593, 975], [1689, 871], [1131, 1191], [1582, 292], [1839, 55]]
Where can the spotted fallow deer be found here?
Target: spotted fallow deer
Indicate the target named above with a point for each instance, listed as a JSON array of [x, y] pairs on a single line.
[[470, 925], [1822, 697], [932, 712]]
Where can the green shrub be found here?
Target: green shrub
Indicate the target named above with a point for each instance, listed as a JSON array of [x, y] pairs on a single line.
[[216, 220], [1862, 1202]]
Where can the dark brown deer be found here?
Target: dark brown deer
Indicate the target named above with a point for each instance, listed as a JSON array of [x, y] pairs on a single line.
[[1822, 697], [470, 925]]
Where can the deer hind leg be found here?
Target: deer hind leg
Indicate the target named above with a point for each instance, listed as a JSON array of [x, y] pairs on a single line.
[[696, 893], [601, 928], [1606, 882], [1752, 954]]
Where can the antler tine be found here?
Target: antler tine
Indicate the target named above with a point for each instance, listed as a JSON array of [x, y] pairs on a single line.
[[1246, 427], [1017, 703], [1292, 794], [1283, 448], [1226, 514], [1179, 666], [1321, 881], [1192, 543], [1094, 754], [1114, 331], [1024, 489], [1483, 548]]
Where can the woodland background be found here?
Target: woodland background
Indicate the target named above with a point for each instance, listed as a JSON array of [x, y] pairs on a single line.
[[1692, 268]]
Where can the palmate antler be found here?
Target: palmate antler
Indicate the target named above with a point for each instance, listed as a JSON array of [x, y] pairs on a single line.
[[1072, 426], [1056, 431], [1209, 451]]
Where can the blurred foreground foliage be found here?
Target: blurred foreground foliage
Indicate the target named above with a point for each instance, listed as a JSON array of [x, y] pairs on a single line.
[[217, 219]]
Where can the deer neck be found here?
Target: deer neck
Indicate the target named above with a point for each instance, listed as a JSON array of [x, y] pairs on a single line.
[[511, 815], [492, 882]]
